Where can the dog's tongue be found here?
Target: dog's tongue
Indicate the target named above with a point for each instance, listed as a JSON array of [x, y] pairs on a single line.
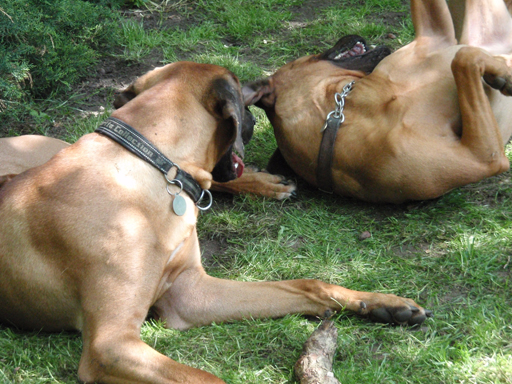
[[238, 164]]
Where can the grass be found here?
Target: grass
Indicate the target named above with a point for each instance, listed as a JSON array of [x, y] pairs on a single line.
[[452, 255]]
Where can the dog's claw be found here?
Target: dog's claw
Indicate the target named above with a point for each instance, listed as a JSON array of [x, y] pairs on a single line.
[[507, 90]]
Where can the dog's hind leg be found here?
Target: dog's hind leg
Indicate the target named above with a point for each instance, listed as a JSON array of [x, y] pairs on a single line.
[[432, 22], [487, 24], [482, 142]]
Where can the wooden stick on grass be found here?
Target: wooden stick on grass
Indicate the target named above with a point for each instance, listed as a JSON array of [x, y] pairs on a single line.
[[315, 363]]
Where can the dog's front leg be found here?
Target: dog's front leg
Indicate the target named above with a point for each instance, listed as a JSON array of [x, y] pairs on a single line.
[[119, 356], [115, 305], [481, 141], [197, 299], [258, 183]]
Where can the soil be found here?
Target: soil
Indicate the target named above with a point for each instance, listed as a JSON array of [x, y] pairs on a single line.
[[111, 74]]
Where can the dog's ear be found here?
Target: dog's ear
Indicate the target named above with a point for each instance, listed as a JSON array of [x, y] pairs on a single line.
[[232, 107], [259, 93], [124, 96]]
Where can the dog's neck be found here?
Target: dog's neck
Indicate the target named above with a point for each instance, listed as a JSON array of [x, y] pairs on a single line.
[[333, 122], [135, 142]]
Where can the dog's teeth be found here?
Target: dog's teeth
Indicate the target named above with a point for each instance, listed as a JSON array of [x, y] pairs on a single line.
[[340, 55]]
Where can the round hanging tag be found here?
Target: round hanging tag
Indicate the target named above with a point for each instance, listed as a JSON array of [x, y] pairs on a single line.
[[179, 205]]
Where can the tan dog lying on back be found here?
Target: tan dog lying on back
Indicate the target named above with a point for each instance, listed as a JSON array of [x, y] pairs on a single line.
[[91, 239], [428, 118]]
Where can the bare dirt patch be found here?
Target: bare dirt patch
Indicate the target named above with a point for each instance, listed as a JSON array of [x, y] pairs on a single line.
[[112, 74]]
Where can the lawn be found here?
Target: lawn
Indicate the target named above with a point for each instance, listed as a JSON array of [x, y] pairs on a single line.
[[451, 255]]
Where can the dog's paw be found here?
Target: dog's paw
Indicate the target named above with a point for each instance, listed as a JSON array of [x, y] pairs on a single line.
[[393, 309], [498, 75], [502, 84], [258, 183], [270, 185], [403, 315]]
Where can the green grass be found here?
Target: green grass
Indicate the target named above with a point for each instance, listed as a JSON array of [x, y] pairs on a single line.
[[452, 255]]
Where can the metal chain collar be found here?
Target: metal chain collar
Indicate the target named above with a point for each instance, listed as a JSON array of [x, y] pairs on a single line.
[[329, 131], [340, 103]]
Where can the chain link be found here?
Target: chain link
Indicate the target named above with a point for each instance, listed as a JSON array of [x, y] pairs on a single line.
[[340, 101]]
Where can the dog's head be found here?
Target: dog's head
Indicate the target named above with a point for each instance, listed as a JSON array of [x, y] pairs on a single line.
[[230, 165], [350, 56], [218, 92]]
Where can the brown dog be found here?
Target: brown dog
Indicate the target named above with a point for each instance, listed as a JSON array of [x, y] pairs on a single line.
[[420, 124], [90, 240]]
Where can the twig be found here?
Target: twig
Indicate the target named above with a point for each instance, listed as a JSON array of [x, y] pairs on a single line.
[[10, 18], [315, 363]]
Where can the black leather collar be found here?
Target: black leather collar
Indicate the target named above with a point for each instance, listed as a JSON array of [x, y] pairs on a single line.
[[135, 142], [329, 132]]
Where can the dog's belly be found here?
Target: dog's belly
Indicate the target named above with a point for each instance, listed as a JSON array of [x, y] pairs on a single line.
[[432, 95], [502, 108], [401, 133]]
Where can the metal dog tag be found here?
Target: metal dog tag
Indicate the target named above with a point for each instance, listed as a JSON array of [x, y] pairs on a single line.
[[179, 205]]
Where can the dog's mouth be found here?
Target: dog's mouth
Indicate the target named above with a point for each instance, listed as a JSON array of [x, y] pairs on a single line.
[[351, 52], [238, 165], [359, 48], [229, 167]]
